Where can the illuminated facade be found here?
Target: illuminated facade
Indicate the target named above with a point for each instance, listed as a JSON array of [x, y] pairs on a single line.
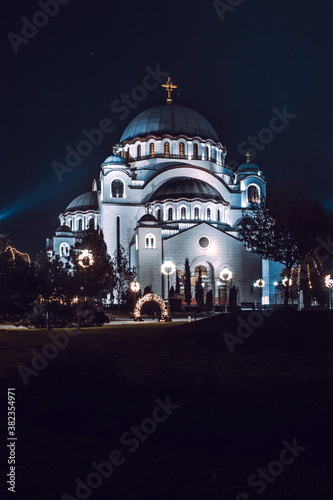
[[167, 193]]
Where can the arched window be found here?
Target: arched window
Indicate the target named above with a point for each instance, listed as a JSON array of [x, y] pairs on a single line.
[[138, 151], [181, 150], [196, 213], [158, 214], [64, 250], [206, 153], [195, 151], [209, 214], [183, 213], [152, 150], [167, 150], [218, 215], [150, 241], [117, 188], [213, 154], [79, 224], [253, 194], [170, 214], [200, 270], [70, 223]]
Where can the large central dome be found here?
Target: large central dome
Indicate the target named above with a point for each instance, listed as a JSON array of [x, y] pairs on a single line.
[[169, 119]]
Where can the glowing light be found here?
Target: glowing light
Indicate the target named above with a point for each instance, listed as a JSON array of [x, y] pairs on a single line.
[[135, 286], [225, 274], [275, 283], [168, 267], [151, 297], [86, 258], [328, 281], [260, 283], [284, 282]]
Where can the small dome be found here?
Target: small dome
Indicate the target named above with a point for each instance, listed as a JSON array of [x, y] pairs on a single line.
[[64, 229], [148, 217], [84, 202], [186, 188], [248, 167], [169, 119], [115, 159]]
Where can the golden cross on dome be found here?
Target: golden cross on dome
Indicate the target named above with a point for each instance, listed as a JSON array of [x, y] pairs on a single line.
[[169, 86], [248, 154]]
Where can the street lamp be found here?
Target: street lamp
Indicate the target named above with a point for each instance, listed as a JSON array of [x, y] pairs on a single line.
[[86, 258], [275, 285], [260, 283], [168, 268], [225, 276], [135, 287], [329, 284]]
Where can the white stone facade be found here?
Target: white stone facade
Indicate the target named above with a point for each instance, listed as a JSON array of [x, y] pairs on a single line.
[[171, 165]]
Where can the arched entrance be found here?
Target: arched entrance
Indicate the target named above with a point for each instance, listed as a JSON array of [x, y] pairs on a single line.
[[148, 298]]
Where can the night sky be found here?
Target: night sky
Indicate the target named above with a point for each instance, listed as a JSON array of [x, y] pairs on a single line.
[[264, 55]]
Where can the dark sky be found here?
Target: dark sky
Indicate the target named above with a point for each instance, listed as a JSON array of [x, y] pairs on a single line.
[[264, 55]]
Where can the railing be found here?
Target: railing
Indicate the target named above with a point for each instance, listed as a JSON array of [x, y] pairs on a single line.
[[174, 157]]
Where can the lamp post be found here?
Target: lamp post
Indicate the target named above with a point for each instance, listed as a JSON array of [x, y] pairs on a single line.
[[260, 283], [85, 260], [329, 284], [275, 285], [255, 297], [225, 276], [168, 268], [284, 283], [135, 287]]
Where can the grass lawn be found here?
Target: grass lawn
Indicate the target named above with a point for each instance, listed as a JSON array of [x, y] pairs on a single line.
[[231, 413]]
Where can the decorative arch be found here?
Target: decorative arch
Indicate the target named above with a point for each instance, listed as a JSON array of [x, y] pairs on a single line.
[[151, 297], [181, 149], [79, 224], [150, 241], [117, 188], [167, 149], [183, 212], [253, 193], [64, 250]]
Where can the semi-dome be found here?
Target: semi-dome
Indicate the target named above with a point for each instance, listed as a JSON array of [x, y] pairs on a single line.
[[186, 188], [84, 202], [115, 159], [147, 219], [169, 119], [248, 167]]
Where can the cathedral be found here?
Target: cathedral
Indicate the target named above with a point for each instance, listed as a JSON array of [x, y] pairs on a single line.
[[167, 194]]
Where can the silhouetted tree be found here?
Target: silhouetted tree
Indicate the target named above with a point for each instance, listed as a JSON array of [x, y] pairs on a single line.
[[209, 300], [96, 271], [17, 283], [187, 279], [123, 274], [199, 294]]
